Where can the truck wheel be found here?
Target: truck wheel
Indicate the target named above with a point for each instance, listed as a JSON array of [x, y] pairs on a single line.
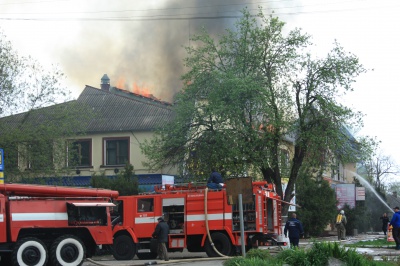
[[221, 242], [29, 251], [147, 255], [67, 250], [124, 248]]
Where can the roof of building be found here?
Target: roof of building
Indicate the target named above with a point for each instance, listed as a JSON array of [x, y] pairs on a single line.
[[116, 112], [110, 112]]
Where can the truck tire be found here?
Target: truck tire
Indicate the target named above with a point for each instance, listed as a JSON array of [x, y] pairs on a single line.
[[221, 242], [29, 251], [124, 248], [67, 250]]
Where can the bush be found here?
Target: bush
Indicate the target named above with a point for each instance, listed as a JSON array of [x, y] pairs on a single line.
[[318, 203], [125, 182], [259, 253], [296, 257], [253, 261], [357, 218], [320, 253]]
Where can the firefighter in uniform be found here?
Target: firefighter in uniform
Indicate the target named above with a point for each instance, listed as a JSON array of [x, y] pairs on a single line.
[[215, 180], [341, 222], [395, 223], [295, 229], [161, 233]]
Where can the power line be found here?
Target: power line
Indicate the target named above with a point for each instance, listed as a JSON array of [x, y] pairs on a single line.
[[33, 2], [121, 19], [182, 8], [164, 18], [195, 16]]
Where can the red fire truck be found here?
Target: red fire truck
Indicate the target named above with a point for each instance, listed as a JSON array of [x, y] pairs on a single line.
[[59, 225], [199, 220]]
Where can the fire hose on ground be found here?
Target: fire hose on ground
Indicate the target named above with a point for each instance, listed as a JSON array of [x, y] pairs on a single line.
[[155, 262]]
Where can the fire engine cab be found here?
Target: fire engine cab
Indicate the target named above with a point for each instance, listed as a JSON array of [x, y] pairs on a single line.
[[59, 225], [199, 220]]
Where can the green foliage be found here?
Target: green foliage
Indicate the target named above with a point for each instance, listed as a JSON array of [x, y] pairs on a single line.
[[259, 253], [251, 261], [34, 139], [372, 243], [248, 90], [25, 84], [374, 211], [294, 257], [318, 204], [320, 253], [357, 218], [126, 183]]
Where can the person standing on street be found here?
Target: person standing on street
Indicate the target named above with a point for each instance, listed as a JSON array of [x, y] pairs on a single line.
[[295, 229], [341, 222], [395, 223], [161, 234], [385, 222]]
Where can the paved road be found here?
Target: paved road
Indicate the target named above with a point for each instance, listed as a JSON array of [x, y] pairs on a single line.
[[201, 259], [184, 258]]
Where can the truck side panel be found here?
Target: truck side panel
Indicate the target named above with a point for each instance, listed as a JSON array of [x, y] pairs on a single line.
[[43, 214], [145, 220], [36, 214], [219, 214], [3, 220]]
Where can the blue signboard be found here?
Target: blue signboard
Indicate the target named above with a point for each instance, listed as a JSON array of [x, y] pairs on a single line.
[[1, 160]]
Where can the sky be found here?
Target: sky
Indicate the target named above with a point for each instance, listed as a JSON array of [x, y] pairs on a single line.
[[139, 44]]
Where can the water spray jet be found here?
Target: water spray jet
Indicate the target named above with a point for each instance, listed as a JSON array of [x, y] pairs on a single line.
[[367, 185]]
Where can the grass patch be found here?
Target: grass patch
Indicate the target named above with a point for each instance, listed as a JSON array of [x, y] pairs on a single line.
[[318, 255], [254, 257], [375, 243]]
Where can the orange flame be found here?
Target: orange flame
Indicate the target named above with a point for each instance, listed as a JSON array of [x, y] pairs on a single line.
[[140, 90], [120, 83], [144, 91]]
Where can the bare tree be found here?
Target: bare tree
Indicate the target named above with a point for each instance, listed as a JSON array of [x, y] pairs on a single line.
[[378, 168]]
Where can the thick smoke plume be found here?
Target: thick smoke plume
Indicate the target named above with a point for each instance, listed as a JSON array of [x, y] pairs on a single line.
[[148, 52]]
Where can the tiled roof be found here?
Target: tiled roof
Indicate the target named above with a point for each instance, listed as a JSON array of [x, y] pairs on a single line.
[[116, 112], [112, 112], [50, 114]]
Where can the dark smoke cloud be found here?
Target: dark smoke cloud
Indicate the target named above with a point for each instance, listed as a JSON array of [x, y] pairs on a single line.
[[148, 53]]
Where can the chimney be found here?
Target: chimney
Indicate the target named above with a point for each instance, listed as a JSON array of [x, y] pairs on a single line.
[[395, 194], [105, 83]]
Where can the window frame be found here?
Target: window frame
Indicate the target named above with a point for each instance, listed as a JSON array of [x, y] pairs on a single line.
[[90, 157], [105, 153], [31, 163]]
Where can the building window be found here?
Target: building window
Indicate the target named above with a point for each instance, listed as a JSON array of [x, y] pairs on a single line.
[[337, 170], [80, 153], [116, 151], [39, 155], [11, 157]]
